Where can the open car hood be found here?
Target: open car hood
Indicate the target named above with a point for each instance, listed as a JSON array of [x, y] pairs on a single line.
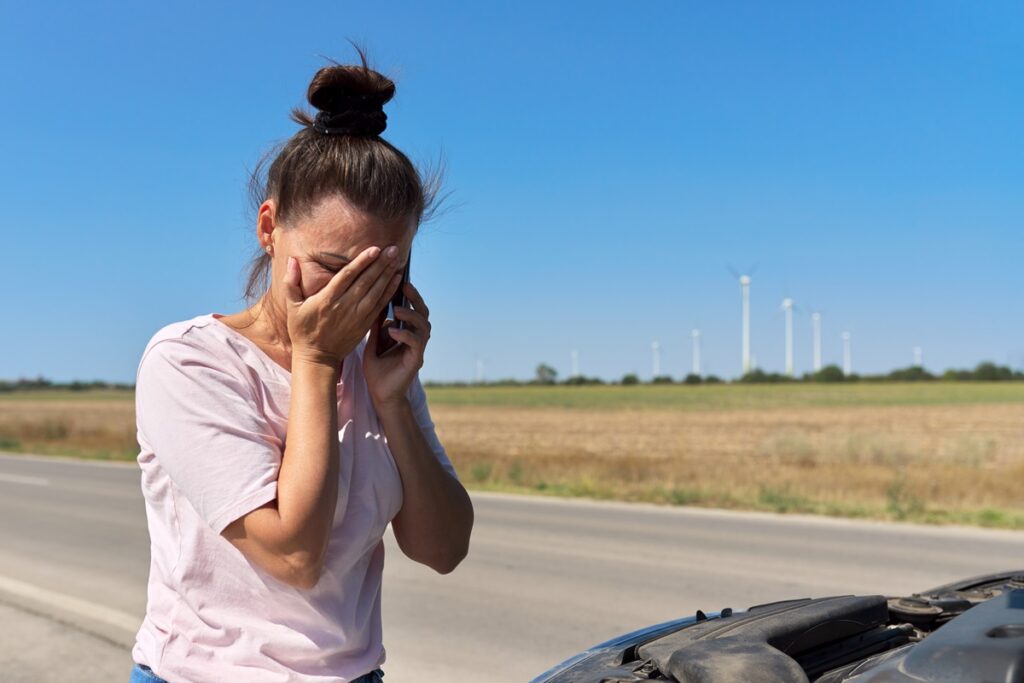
[[970, 630]]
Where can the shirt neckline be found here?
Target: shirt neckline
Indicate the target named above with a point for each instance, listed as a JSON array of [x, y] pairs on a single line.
[[215, 317]]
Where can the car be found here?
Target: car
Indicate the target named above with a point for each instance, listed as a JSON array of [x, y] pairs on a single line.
[[970, 630]]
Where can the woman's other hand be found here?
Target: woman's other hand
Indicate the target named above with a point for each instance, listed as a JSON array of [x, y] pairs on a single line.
[[326, 326], [388, 377]]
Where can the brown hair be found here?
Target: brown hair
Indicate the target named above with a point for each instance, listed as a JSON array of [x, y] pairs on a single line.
[[368, 171]]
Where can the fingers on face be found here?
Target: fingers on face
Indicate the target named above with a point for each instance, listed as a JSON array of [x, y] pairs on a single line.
[[382, 289], [375, 277], [372, 279], [343, 279]]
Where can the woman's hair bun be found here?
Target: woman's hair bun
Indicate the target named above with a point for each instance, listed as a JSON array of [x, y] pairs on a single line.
[[338, 153], [350, 100]]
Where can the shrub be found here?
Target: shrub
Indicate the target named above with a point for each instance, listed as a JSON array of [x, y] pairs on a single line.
[[829, 373]]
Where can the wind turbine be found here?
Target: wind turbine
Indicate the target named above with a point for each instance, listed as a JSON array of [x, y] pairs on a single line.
[[745, 292], [695, 334], [918, 357], [479, 370], [787, 307], [656, 359], [847, 362], [574, 356], [744, 289]]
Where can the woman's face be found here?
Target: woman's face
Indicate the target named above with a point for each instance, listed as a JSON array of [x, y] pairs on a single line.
[[328, 238]]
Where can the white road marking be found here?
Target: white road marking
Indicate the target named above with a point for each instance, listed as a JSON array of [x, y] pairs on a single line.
[[21, 479], [61, 601]]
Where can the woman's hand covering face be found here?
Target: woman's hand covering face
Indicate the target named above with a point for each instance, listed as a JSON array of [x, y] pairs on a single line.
[[326, 326]]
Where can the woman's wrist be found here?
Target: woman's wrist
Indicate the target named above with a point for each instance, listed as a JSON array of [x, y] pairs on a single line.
[[324, 370], [389, 410]]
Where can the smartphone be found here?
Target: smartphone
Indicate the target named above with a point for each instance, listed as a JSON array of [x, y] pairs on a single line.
[[385, 342]]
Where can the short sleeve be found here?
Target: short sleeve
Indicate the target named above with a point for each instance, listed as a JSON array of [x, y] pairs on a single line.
[[206, 431], [418, 401]]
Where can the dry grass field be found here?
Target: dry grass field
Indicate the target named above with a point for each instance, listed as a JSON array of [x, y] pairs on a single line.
[[924, 463], [90, 424], [930, 453]]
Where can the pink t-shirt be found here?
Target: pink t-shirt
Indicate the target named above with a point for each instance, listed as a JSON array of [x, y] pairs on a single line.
[[212, 416]]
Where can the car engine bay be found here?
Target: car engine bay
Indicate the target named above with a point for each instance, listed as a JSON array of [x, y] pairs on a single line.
[[970, 630]]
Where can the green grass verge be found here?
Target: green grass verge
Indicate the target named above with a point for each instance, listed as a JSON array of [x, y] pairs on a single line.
[[767, 500]]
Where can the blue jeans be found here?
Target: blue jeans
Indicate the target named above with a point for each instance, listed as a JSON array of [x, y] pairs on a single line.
[[143, 674]]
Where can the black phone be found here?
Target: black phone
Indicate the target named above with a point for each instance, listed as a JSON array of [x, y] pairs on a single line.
[[385, 342]]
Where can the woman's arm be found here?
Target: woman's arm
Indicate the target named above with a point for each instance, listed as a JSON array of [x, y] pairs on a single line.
[[288, 537], [434, 524], [436, 518]]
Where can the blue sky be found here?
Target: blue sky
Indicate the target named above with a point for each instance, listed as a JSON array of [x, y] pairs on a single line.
[[607, 162]]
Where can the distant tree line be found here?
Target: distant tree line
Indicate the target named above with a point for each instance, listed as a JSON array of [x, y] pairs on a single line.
[[35, 384], [547, 375], [983, 372]]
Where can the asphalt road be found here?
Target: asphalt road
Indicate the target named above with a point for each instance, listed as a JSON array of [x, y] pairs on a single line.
[[544, 579]]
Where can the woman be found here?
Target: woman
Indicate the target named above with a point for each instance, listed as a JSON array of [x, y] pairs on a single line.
[[276, 445]]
